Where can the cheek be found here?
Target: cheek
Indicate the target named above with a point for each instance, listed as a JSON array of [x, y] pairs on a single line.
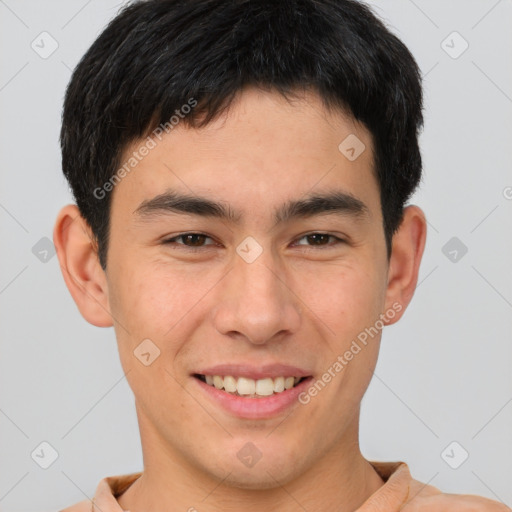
[[153, 307], [157, 302], [347, 297]]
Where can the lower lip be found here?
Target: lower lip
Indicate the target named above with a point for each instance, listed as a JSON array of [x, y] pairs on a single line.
[[254, 408]]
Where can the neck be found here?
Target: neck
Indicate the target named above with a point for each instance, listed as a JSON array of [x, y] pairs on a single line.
[[341, 480]]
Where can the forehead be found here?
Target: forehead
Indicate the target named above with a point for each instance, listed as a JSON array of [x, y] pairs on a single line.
[[261, 151]]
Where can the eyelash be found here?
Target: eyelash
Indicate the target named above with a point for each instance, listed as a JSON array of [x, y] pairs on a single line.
[[172, 240]]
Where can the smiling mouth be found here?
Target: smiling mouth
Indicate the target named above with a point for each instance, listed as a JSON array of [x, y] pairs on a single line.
[[250, 388]]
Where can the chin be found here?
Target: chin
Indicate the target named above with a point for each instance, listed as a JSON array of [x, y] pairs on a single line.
[[256, 481], [272, 470]]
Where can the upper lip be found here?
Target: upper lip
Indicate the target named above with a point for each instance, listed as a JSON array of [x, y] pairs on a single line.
[[250, 371]]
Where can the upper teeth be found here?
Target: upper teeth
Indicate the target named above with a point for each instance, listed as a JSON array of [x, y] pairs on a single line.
[[245, 386]]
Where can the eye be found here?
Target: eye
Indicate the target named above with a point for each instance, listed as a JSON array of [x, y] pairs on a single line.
[[320, 240], [189, 240], [195, 241]]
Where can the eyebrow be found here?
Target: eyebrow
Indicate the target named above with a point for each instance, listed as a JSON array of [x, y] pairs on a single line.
[[333, 202]]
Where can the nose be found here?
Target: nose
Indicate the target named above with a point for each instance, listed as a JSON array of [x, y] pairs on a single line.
[[257, 301]]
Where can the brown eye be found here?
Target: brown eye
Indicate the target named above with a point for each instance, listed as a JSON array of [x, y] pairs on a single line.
[[191, 240], [319, 239]]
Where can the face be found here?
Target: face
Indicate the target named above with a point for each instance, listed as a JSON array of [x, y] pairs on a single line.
[[269, 283]]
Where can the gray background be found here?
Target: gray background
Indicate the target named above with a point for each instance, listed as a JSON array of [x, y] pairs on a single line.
[[445, 370]]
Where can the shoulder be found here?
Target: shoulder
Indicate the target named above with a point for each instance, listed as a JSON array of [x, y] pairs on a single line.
[[401, 492], [425, 498], [105, 497], [82, 506]]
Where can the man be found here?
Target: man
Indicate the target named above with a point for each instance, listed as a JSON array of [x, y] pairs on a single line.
[[241, 170]]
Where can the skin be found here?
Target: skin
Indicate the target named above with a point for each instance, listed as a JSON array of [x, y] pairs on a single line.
[[297, 303]]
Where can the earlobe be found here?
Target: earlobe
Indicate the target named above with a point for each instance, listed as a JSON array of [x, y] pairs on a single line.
[[82, 272], [404, 264]]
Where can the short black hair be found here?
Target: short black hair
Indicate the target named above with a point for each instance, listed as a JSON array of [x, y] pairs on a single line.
[[157, 55]]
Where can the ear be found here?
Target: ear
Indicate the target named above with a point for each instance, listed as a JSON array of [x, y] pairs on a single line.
[[78, 258], [407, 249]]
